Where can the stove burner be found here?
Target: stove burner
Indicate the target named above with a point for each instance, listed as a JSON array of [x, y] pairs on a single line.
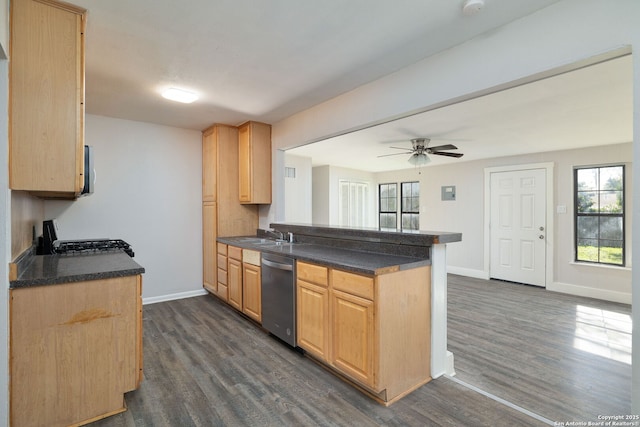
[[75, 247]]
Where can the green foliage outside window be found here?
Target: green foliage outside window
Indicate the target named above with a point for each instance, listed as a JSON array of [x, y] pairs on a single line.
[[599, 221]]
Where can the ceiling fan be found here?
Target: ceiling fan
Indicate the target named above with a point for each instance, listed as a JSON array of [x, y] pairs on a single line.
[[421, 149]]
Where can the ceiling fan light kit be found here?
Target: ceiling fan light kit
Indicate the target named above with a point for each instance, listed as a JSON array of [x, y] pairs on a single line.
[[419, 159]]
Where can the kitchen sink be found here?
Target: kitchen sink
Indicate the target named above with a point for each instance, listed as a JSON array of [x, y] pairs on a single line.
[[254, 240], [261, 241]]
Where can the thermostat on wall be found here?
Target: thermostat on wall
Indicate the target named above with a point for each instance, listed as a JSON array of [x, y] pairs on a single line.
[[448, 192]]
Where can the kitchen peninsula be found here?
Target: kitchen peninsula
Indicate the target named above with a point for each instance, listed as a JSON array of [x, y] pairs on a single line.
[[365, 300]]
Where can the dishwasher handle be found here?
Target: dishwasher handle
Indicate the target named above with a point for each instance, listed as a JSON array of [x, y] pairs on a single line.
[[278, 265]]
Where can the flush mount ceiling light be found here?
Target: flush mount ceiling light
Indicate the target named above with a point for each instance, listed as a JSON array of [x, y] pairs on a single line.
[[471, 7], [179, 95], [419, 159]]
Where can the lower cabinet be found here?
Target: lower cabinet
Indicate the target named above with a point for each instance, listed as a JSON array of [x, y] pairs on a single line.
[[374, 330], [313, 318], [222, 287], [239, 284], [234, 277], [209, 247], [252, 292], [76, 348], [352, 331]]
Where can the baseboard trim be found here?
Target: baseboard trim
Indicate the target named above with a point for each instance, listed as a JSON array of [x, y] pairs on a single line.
[[583, 291], [468, 272], [450, 370], [171, 297]]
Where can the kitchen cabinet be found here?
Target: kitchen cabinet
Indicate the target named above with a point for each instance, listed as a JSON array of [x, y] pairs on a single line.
[[374, 330], [252, 291], [209, 254], [76, 348], [223, 214], [46, 110], [254, 163], [352, 332], [234, 276], [312, 314], [222, 289], [251, 285]]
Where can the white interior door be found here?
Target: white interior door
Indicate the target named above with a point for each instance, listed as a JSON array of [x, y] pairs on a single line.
[[518, 226]]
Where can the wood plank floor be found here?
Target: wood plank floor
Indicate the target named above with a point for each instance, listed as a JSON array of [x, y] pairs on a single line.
[[563, 357], [206, 365]]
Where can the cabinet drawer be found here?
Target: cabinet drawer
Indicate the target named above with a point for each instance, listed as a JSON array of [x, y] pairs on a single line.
[[222, 249], [312, 273], [353, 284], [235, 253], [223, 292], [222, 262], [222, 276], [251, 257]]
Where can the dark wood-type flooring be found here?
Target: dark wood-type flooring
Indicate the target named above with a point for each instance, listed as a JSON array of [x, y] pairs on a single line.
[[563, 357], [206, 365]]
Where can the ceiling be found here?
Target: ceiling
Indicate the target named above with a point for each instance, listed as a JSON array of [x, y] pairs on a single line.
[[587, 107], [262, 60]]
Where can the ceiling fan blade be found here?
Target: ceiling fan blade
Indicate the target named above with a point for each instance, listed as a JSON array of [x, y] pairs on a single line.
[[444, 153], [402, 148], [395, 154], [443, 147]]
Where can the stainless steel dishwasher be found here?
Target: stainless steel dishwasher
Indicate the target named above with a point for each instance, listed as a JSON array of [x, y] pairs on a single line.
[[279, 297]]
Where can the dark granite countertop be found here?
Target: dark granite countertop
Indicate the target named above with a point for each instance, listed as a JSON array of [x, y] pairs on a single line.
[[371, 235], [42, 270], [346, 259]]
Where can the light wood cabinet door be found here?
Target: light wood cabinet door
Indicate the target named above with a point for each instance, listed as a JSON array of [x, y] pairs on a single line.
[[353, 336], [46, 112], [313, 319], [209, 255], [234, 283], [209, 162], [234, 218], [76, 348], [252, 292], [254, 163]]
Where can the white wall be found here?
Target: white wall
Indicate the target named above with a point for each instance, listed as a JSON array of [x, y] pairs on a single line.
[[466, 215], [298, 190], [148, 193], [322, 194], [4, 29], [555, 38]]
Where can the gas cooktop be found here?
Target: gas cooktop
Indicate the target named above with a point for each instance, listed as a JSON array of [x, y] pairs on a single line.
[[76, 247]]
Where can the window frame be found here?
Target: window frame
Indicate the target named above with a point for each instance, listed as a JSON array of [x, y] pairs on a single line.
[[415, 213], [381, 212], [599, 215]]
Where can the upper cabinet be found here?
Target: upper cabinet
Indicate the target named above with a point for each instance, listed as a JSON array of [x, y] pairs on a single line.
[[254, 163], [46, 110]]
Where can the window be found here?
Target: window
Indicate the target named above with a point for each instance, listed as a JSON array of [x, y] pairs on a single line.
[[388, 206], [599, 214], [410, 205]]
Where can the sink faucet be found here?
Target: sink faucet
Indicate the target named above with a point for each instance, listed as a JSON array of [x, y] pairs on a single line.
[[290, 239], [275, 233]]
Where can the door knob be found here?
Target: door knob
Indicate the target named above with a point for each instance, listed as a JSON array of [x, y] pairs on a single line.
[[541, 228]]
